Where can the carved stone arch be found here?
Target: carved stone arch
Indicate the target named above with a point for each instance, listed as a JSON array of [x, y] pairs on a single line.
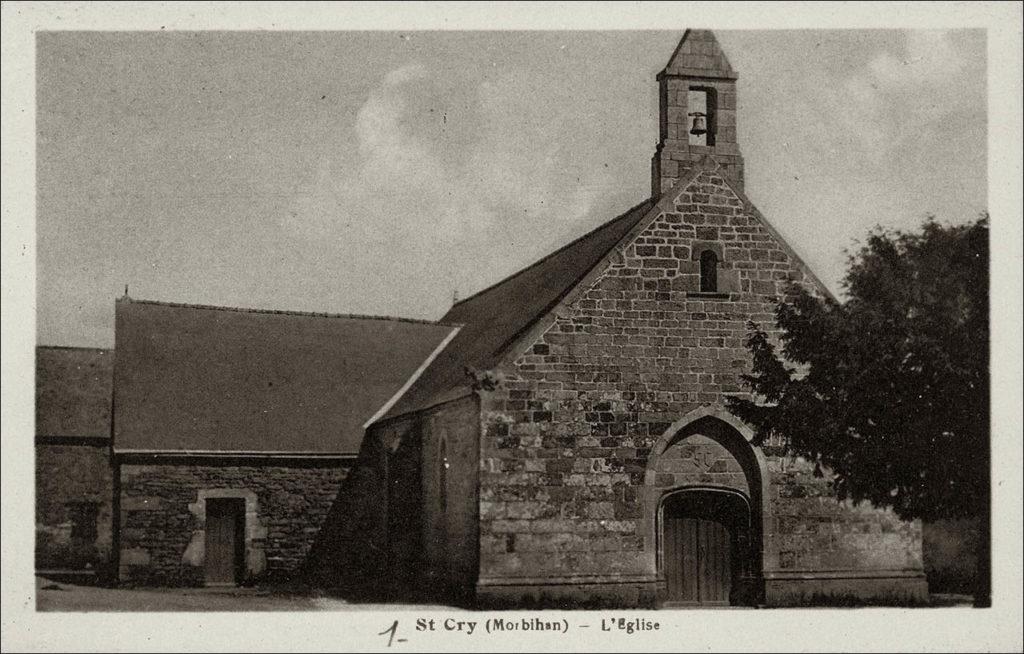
[[693, 416], [731, 464]]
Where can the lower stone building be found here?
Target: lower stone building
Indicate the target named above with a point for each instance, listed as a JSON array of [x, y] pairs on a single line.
[[74, 481], [235, 429]]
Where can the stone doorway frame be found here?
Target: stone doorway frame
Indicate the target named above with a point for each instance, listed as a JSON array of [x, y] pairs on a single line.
[[255, 532], [755, 470]]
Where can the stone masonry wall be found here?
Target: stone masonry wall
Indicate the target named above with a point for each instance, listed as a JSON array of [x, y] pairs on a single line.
[[161, 531], [567, 439], [812, 531], [699, 460], [67, 475], [450, 477], [864, 552]]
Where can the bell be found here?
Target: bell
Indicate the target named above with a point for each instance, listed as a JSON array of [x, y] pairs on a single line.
[[699, 124]]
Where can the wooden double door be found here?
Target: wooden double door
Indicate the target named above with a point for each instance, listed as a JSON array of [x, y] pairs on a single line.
[[704, 537]]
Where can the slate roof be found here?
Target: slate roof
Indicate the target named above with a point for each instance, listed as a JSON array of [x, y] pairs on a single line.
[[73, 390], [202, 379], [493, 318]]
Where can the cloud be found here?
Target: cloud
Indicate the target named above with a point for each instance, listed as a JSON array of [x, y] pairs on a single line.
[[872, 106], [445, 170], [928, 58]]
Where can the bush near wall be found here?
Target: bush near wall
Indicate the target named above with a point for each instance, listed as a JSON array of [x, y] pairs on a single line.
[[949, 555]]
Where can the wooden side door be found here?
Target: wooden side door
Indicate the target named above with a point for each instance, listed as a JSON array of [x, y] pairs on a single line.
[[225, 541]]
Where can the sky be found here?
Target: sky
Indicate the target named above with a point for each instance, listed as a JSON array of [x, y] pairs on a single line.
[[385, 173]]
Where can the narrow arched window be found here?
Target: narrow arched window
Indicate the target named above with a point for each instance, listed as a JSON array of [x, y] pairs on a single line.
[[708, 272]]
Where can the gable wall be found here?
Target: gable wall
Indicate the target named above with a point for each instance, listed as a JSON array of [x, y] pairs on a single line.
[[568, 437]]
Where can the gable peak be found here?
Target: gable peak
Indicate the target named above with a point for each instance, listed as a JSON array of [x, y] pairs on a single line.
[[699, 55]]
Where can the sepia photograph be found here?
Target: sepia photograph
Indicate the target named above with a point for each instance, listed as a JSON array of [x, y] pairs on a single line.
[[500, 333]]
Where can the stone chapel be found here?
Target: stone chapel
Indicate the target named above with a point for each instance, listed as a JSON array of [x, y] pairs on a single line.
[[572, 441], [560, 437]]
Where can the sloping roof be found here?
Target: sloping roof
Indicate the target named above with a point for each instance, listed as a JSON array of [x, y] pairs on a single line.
[[493, 318], [73, 389], [213, 379], [699, 55]]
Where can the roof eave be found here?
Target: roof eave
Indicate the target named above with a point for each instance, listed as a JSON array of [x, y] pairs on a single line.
[[453, 394], [387, 406]]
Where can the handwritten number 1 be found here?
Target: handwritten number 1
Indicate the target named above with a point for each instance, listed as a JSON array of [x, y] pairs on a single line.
[[393, 629]]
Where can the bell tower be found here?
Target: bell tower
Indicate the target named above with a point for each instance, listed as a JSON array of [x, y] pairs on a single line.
[[697, 117]]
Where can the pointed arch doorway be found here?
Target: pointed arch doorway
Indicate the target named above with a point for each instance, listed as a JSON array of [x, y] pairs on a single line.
[[705, 510]]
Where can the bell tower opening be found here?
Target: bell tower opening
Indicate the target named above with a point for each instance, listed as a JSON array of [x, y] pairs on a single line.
[[701, 116], [697, 112]]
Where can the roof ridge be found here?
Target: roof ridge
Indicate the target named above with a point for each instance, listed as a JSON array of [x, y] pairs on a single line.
[[552, 253], [286, 312]]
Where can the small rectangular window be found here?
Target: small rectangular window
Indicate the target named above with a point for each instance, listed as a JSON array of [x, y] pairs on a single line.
[[83, 516]]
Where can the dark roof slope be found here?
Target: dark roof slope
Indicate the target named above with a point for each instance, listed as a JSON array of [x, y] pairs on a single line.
[[494, 317], [73, 387], [195, 378]]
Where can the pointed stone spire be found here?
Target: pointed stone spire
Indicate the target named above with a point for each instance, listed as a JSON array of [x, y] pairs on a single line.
[[699, 55], [697, 91]]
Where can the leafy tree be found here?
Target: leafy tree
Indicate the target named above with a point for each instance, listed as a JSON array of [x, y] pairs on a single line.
[[889, 389]]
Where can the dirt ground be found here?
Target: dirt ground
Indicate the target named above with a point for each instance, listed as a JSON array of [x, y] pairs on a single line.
[[66, 597]]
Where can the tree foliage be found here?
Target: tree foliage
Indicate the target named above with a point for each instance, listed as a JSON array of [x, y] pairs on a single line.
[[889, 389]]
